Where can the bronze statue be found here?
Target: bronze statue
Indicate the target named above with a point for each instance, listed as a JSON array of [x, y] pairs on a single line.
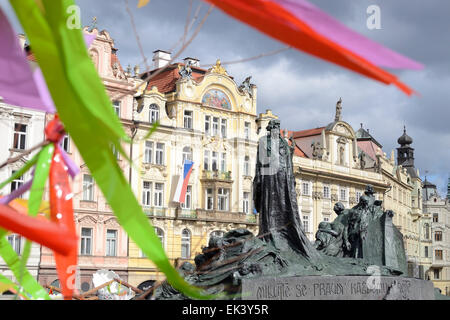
[[359, 218], [274, 194], [332, 238]]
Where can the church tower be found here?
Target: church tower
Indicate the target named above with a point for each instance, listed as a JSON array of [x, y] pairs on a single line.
[[405, 154]]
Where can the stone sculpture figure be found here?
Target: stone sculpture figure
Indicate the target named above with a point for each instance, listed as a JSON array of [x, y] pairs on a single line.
[[317, 152], [359, 218], [186, 71], [324, 236], [246, 86], [338, 116], [275, 197], [332, 238]]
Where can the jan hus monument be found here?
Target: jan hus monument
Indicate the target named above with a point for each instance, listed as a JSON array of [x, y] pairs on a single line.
[[359, 255]]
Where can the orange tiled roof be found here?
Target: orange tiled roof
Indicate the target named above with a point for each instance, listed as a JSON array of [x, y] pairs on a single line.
[[308, 132], [165, 81], [297, 151]]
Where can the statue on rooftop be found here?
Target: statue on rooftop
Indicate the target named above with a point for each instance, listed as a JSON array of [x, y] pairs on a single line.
[[246, 86], [185, 71], [338, 116]]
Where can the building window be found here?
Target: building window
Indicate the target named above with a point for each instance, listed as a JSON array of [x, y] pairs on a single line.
[[187, 119], [426, 251], [214, 161], [187, 154], [438, 254], [326, 192], [246, 166], [358, 195], [159, 153], [86, 241], [306, 223], [246, 202], [215, 126], [146, 193], [187, 198], [222, 199], [88, 188], [148, 153], [426, 227], [160, 233], [223, 128], [209, 199], [65, 143], [223, 162], [15, 241], [305, 188], [207, 125], [159, 193], [154, 113], [111, 243], [20, 135], [185, 244], [343, 194], [115, 152], [435, 217], [438, 236], [16, 183], [116, 106], [206, 160], [247, 130], [436, 274]]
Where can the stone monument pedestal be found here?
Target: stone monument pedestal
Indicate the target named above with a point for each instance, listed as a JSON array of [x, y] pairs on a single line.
[[337, 288]]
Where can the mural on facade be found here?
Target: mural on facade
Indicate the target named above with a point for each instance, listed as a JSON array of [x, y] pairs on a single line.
[[217, 99]]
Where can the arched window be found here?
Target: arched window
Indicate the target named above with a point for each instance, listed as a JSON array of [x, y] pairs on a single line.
[[185, 244], [187, 153], [160, 234], [154, 113]]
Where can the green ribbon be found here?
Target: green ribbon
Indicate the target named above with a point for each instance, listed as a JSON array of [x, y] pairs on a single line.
[[87, 113], [29, 284]]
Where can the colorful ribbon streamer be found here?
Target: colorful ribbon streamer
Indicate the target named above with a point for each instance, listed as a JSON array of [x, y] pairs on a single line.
[[88, 116], [307, 28]]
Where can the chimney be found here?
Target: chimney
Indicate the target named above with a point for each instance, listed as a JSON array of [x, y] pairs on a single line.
[[22, 40], [161, 58], [194, 62]]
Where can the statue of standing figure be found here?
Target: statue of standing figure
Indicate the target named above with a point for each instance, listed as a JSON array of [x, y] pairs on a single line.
[[338, 116], [275, 197]]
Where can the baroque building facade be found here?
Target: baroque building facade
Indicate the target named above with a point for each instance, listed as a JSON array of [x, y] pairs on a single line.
[[437, 230], [203, 116], [103, 244], [20, 129]]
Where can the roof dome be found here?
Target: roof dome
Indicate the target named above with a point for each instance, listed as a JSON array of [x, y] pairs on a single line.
[[404, 139]]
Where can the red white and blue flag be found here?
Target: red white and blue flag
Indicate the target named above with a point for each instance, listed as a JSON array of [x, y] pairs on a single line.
[[180, 192]]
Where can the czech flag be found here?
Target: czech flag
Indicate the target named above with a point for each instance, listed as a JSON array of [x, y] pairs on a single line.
[[180, 192]]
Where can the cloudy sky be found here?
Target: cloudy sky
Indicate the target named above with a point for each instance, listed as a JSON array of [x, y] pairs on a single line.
[[303, 90]]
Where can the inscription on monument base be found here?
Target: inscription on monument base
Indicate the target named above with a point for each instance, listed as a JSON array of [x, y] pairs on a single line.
[[337, 288]]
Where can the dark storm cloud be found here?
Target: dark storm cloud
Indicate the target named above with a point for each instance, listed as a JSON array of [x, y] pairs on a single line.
[[293, 83]]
